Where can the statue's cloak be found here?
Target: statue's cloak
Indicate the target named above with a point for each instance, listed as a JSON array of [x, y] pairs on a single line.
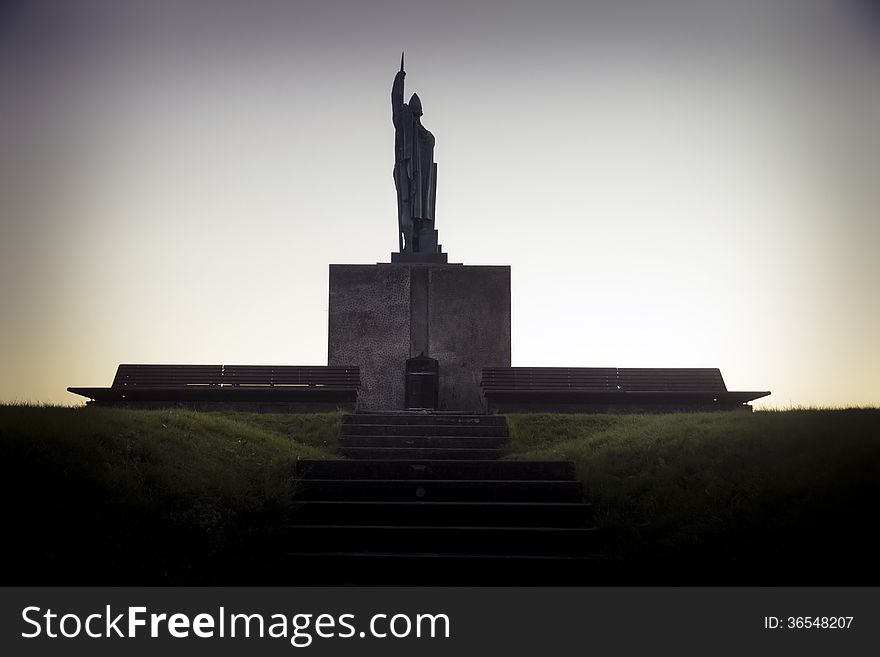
[[414, 168]]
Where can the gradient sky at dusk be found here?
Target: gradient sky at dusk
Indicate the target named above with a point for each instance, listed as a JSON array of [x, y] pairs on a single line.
[[673, 183]]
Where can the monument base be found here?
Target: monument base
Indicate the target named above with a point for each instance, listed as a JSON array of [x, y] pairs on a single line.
[[382, 315], [432, 258]]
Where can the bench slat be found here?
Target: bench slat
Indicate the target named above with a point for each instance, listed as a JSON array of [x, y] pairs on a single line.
[[611, 379], [195, 376]]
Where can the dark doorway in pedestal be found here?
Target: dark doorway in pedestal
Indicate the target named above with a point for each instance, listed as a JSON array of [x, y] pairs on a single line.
[[422, 383]]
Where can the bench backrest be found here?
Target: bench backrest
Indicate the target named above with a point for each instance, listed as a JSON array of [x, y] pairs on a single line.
[[605, 379], [184, 376], [678, 379], [291, 375], [532, 378], [167, 376]]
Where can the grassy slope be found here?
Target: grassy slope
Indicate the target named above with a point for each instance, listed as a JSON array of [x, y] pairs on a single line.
[[150, 496], [787, 497]]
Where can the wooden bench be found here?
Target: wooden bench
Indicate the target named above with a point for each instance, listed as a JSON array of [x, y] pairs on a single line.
[[609, 390], [291, 388]]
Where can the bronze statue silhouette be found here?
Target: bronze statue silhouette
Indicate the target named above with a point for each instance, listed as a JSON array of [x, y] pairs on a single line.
[[415, 173]]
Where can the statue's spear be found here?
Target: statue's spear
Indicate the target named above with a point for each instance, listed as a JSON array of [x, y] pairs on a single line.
[[399, 182]]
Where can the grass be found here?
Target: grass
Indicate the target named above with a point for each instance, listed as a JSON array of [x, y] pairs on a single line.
[[150, 496], [779, 497], [113, 496]]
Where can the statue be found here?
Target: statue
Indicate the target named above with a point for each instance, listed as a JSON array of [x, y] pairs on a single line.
[[415, 177]]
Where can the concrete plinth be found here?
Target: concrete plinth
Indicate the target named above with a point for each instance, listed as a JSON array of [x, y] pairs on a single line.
[[381, 315]]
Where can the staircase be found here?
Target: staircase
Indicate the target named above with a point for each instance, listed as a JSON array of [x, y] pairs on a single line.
[[422, 498]]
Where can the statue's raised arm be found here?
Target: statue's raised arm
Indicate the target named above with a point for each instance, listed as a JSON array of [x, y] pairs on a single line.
[[397, 94]]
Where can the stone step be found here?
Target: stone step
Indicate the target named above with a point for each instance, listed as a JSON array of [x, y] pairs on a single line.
[[423, 498], [351, 429], [525, 541], [463, 514], [439, 490], [431, 569], [419, 418], [481, 442], [432, 453], [433, 469]]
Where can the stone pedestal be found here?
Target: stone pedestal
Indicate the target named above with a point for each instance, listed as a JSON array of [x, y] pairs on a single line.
[[381, 315]]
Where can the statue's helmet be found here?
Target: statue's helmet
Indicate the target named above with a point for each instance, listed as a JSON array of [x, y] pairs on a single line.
[[415, 104]]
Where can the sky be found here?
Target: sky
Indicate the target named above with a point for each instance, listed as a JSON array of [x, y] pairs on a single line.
[[674, 183]]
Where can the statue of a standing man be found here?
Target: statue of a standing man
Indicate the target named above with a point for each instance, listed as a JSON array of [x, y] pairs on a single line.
[[415, 173]]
